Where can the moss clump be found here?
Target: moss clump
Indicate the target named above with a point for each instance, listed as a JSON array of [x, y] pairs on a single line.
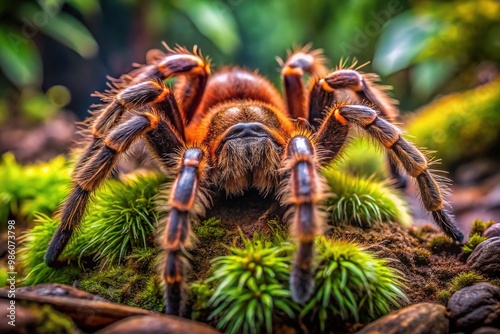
[[352, 284], [209, 230], [473, 242], [200, 294], [123, 216], [479, 226], [463, 280], [32, 252], [453, 128], [363, 158], [362, 202], [421, 256], [251, 288], [443, 296], [133, 283], [440, 243], [33, 188], [52, 321]]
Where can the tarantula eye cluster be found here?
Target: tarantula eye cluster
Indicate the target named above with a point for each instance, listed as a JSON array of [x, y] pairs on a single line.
[[233, 129]]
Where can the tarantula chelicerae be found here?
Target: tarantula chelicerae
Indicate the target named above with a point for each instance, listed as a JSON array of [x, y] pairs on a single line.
[[232, 131]]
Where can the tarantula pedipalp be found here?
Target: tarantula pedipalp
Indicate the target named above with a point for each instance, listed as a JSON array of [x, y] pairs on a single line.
[[232, 131]]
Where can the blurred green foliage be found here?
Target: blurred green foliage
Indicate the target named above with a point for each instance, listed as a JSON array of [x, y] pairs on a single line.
[[443, 44], [34, 188], [459, 125], [21, 61]]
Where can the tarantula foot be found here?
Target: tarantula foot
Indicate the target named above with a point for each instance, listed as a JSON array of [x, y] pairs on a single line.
[[56, 246], [173, 299], [447, 224], [301, 284]]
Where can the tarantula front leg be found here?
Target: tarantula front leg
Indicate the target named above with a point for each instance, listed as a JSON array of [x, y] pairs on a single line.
[[301, 192], [178, 231], [92, 172], [297, 64], [362, 85], [412, 160]]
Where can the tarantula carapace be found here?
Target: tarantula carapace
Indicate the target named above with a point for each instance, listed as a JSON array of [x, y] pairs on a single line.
[[232, 131]]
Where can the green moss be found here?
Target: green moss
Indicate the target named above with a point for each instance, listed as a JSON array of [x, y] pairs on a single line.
[[151, 296], [421, 256], [352, 284], [135, 283], [463, 280], [122, 217], [440, 243], [32, 252], [479, 226], [443, 296], [209, 229], [473, 242], [365, 159], [124, 214], [115, 284], [250, 288], [52, 321], [200, 294], [458, 120], [363, 202], [33, 188]]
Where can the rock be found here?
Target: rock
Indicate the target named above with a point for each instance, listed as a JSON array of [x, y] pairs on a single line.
[[486, 257], [492, 231], [153, 324], [420, 318], [475, 306], [487, 330]]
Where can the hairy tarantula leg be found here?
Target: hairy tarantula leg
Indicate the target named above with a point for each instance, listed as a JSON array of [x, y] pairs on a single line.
[[412, 160], [192, 68], [292, 72], [91, 175], [178, 230], [152, 92], [303, 193], [362, 85]]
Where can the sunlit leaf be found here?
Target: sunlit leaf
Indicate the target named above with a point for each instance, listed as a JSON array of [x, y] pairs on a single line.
[[404, 37], [19, 59], [214, 21]]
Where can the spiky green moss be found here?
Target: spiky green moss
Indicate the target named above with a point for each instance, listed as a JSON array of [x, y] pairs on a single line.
[[352, 284], [209, 230], [479, 226], [32, 252], [33, 188], [123, 216], [459, 282], [463, 280], [363, 158], [362, 202], [473, 242], [250, 288], [450, 124]]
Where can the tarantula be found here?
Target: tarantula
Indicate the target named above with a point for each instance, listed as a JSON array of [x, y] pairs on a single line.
[[232, 131]]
